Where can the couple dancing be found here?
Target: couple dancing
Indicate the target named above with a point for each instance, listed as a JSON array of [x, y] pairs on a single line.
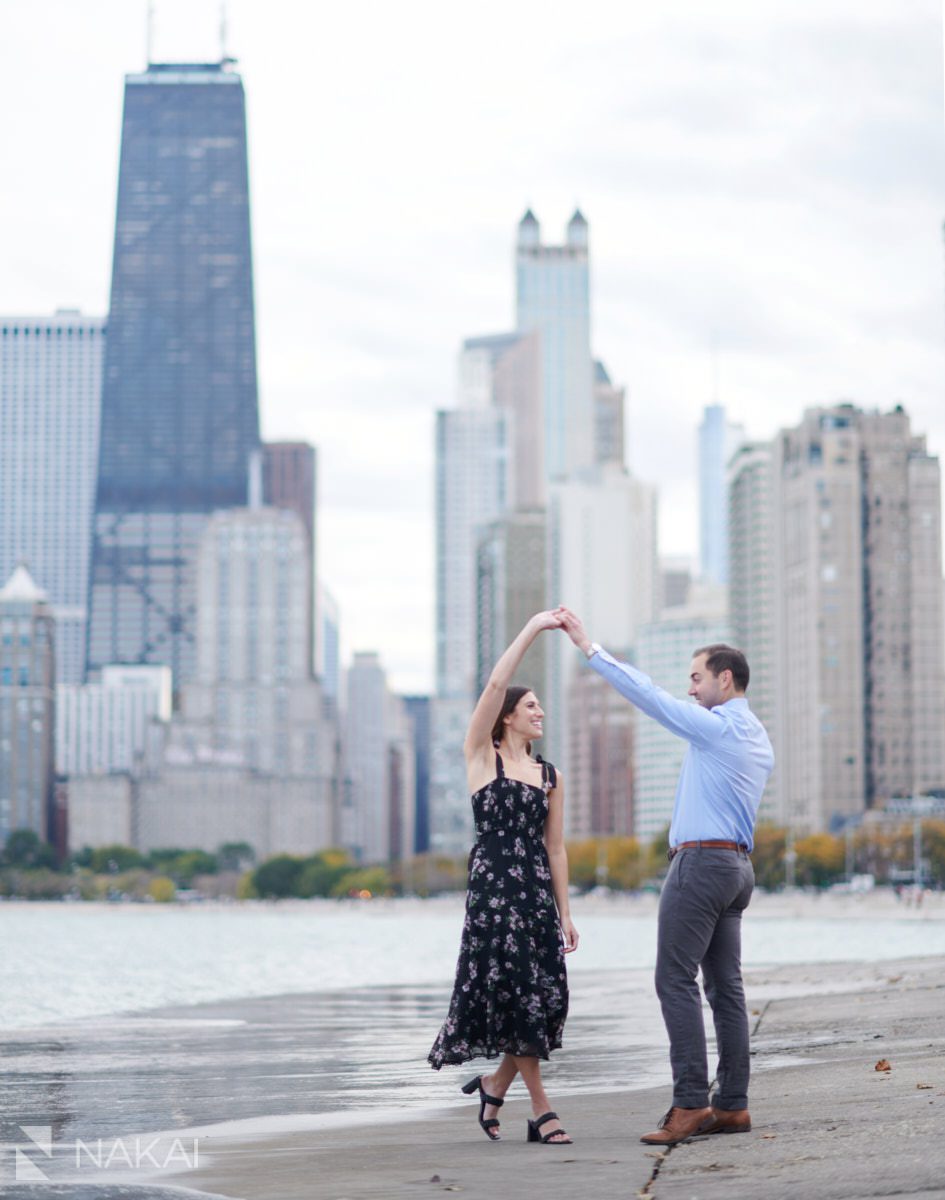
[[510, 998]]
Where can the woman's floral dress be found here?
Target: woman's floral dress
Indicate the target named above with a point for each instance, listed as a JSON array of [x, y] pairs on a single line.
[[511, 990]]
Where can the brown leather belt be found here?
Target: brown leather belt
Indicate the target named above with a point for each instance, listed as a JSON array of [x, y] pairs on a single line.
[[712, 845]]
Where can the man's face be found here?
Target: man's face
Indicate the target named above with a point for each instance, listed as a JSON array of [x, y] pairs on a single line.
[[704, 687]]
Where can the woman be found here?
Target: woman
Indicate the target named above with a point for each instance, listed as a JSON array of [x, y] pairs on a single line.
[[511, 991]]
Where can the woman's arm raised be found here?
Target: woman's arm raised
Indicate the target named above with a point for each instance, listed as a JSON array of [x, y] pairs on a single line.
[[478, 742]]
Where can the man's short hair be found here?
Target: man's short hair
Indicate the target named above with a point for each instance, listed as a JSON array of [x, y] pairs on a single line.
[[719, 658]]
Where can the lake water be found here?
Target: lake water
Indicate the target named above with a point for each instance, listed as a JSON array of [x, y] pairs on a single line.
[[66, 961]]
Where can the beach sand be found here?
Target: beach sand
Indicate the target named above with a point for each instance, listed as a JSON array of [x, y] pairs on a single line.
[[827, 1124]]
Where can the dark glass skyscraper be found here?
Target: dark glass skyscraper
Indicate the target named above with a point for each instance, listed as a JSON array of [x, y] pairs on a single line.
[[179, 411]]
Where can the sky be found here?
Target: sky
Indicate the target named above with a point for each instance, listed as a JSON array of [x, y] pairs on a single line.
[[764, 183]]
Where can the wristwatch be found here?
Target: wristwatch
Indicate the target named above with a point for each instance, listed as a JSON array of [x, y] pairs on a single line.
[[594, 648]]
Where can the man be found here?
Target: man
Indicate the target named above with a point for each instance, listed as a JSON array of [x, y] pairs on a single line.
[[710, 878]]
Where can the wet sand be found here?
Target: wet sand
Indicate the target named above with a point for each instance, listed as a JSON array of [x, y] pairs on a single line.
[[234, 1085]]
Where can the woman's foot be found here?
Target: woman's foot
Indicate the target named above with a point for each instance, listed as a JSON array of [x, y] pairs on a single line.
[[551, 1131], [492, 1089], [489, 1105]]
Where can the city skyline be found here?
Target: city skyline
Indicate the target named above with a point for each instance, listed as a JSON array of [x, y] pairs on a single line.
[[757, 186]]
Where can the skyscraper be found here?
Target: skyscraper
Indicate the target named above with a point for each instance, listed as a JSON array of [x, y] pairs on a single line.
[[603, 562], [289, 479], [718, 439], [862, 661], [27, 707], [253, 698], [755, 591], [471, 491], [179, 414], [553, 297], [504, 371], [608, 419], [289, 482], [50, 398]]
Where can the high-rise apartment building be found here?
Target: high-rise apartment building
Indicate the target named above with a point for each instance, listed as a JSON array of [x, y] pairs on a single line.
[[379, 757], [603, 563], [600, 757], [861, 640], [553, 298], [179, 409], [755, 593], [418, 714], [289, 480], [328, 645], [27, 707], [471, 491], [253, 700], [609, 405], [510, 587], [504, 371], [718, 440], [50, 400]]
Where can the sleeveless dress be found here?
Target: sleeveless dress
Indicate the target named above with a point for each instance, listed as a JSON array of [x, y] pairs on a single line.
[[511, 990]]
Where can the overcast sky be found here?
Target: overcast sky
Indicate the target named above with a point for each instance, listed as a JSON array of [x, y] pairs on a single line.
[[766, 175]]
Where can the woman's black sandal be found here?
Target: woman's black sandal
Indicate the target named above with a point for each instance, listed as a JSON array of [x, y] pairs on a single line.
[[492, 1124], [548, 1138]]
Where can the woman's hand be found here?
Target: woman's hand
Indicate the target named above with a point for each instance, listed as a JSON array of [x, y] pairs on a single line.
[[570, 935], [545, 620]]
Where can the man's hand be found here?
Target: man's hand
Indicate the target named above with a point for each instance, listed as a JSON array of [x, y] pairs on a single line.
[[571, 624]]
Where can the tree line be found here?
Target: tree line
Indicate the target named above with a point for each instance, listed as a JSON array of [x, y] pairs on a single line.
[[28, 867]]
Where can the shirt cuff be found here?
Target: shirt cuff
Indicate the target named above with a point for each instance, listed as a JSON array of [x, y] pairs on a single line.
[[594, 648]]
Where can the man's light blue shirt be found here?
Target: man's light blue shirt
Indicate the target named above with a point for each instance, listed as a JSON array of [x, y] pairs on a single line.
[[727, 763]]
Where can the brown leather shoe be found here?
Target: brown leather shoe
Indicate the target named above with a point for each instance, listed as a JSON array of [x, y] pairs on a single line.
[[723, 1121], [677, 1125]]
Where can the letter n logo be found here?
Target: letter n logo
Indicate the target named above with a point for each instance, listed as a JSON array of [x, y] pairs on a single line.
[[26, 1169]]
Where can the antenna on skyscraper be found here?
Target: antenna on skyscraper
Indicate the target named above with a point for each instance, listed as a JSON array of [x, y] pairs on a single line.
[[223, 55], [149, 33]]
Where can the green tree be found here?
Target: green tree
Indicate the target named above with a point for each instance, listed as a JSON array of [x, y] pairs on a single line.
[[278, 876], [820, 859], [112, 859], [627, 865], [321, 873], [768, 856], [235, 856], [933, 850], [25, 849], [162, 889], [185, 866], [374, 880], [582, 862]]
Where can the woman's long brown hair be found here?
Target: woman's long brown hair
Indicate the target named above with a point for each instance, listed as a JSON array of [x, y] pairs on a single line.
[[512, 697]]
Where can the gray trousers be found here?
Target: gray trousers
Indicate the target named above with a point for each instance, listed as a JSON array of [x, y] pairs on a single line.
[[700, 925]]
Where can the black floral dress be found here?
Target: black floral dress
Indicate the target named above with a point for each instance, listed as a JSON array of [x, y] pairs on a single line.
[[511, 990]]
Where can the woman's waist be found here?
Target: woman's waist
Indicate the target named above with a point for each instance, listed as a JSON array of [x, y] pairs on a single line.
[[535, 833]]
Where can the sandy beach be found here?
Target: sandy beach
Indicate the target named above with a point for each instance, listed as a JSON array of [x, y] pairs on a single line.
[[827, 1124]]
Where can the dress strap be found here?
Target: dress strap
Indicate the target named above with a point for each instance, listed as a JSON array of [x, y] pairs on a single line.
[[549, 775], [499, 768]]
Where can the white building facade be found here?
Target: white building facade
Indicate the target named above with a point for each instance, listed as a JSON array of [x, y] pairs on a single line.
[[603, 563], [114, 725]]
